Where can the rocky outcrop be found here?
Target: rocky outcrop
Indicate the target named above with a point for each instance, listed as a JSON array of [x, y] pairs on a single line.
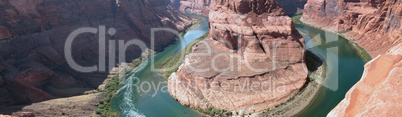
[[252, 59], [33, 35], [378, 92], [374, 24], [82, 106], [195, 6], [292, 7], [202, 6]]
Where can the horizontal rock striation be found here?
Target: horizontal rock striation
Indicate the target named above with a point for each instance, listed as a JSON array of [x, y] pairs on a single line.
[[374, 24], [33, 34], [252, 59], [195, 6], [378, 92]]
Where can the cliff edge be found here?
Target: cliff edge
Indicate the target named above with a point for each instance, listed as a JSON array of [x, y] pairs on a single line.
[[374, 24], [377, 94]]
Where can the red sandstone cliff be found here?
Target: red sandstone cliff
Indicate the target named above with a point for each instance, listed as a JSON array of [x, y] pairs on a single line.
[[33, 33], [195, 6], [377, 94], [265, 50], [374, 24], [202, 6]]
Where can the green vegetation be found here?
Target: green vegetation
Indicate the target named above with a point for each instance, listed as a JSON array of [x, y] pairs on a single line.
[[104, 108], [214, 112], [280, 109], [296, 18], [176, 60], [361, 52], [317, 70], [194, 24]]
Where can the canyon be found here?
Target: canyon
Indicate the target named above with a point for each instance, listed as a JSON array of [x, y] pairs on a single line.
[[291, 7], [255, 56], [374, 24], [255, 59], [33, 34], [377, 92], [193, 6]]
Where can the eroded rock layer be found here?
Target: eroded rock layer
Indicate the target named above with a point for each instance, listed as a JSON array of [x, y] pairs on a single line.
[[375, 24], [377, 94], [33, 34], [252, 59], [195, 6]]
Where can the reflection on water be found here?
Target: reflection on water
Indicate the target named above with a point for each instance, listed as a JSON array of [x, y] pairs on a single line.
[[343, 65], [344, 68], [145, 92]]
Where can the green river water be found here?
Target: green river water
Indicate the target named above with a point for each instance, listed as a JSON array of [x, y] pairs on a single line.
[[153, 99]]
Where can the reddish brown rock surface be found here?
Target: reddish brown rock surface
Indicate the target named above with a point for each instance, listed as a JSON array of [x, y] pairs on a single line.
[[195, 6], [264, 48], [377, 94], [33, 34], [76, 106], [374, 24]]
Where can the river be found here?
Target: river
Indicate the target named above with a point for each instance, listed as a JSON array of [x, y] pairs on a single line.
[[342, 64]]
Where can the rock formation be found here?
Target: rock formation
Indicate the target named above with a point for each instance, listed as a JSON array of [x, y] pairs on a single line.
[[252, 59], [374, 24], [195, 6], [377, 94], [33, 34], [292, 7]]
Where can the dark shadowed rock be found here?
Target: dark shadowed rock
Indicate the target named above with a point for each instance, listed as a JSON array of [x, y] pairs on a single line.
[[33, 35], [292, 7]]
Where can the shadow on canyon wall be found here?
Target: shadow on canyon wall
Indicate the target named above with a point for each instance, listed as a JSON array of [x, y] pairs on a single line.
[[33, 35]]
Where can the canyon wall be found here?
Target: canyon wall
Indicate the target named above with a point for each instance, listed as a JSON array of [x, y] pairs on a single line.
[[252, 59], [377, 94], [33, 34], [373, 24], [292, 7], [376, 26], [195, 6]]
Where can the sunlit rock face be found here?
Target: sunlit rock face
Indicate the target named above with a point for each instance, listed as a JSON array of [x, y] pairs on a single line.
[[378, 92], [252, 59], [33, 35], [194, 6], [374, 24]]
